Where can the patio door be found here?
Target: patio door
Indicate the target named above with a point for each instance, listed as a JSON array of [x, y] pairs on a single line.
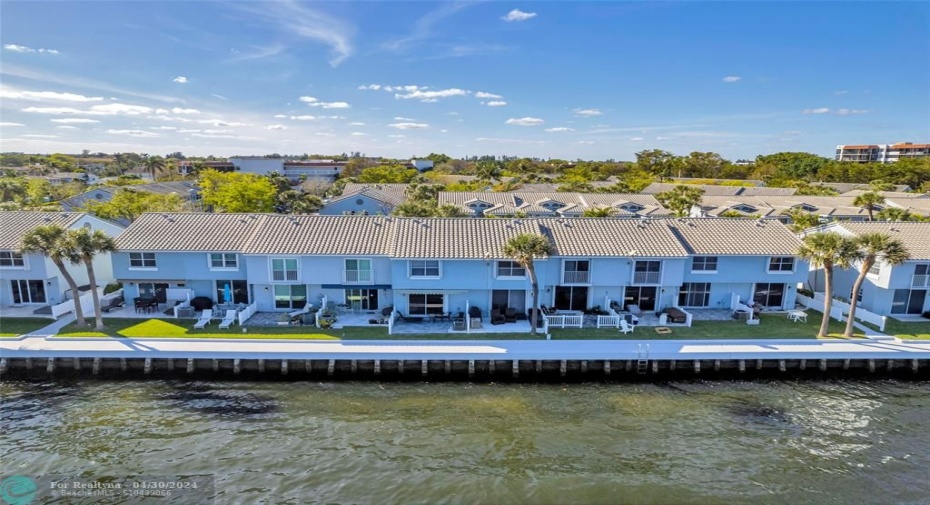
[[157, 291], [908, 301], [769, 294], [362, 299], [571, 297], [644, 296], [25, 291]]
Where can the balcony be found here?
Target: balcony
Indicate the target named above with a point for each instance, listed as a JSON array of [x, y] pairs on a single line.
[[576, 278], [647, 277], [920, 281], [358, 277]]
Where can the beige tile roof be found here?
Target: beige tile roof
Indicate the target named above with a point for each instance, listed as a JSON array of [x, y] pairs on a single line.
[[709, 190], [722, 236], [397, 191], [887, 194], [467, 238], [765, 191], [323, 235], [612, 237], [13, 225], [915, 236], [392, 198], [196, 231]]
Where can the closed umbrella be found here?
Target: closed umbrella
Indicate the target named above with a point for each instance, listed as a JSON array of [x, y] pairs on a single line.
[[227, 294]]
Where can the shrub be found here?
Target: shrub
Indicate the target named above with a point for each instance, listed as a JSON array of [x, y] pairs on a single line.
[[112, 287]]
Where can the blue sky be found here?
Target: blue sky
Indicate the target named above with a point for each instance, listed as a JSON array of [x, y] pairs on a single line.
[[592, 80]]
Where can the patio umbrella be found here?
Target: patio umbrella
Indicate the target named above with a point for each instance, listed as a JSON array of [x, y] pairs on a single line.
[[227, 294]]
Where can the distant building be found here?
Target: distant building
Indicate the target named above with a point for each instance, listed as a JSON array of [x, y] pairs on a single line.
[[312, 169], [881, 153], [421, 165]]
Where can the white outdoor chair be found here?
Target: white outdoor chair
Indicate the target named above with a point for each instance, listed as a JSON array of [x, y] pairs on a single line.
[[300, 312], [635, 310], [205, 318], [228, 320], [625, 327]]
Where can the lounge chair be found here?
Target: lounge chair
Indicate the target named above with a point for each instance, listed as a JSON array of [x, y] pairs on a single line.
[[228, 320], [300, 312], [635, 310], [205, 318], [115, 303], [626, 327]]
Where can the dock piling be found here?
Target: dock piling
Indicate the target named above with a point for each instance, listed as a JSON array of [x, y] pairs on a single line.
[[491, 365], [237, 366], [400, 366], [95, 368], [28, 363], [331, 368], [539, 366], [697, 366], [308, 366], [890, 365], [169, 363], [77, 363], [803, 364], [51, 365], [846, 364], [515, 366], [871, 365], [2, 365], [448, 367], [782, 366], [655, 367], [471, 368], [283, 367], [216, 365], [742, 366], [716, 365], [584, 366], [563, 368], [424, 368], [672, 365], [147, 366], [190, 365], [353, 366], [261, 366], [758, 364], [914, 365], [823, 365], [123, 365], [607, 367], [377, 367]]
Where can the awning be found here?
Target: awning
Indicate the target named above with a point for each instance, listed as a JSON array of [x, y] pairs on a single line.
[[431, 291], [152, 281], [356, 286]]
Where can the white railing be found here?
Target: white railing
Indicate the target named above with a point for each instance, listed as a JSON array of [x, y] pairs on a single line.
[[358, 276], [646, 277], [612, 319], [87, 304], [738, 306], [576, 278], [323, 308], [248, 312], [391, 321], [689, 317], [918, 281], [182, 294], [564, 320], [840, 310]]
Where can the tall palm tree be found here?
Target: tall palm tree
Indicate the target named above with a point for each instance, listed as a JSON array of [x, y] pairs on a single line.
[[50, 240], [153, 164], [870, 201], [86, 245], [894, 214], [523, 248], [598, 211], [873, 247], [827, 250]]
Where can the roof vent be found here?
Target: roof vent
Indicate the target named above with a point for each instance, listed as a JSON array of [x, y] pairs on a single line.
[[47, 219], [760, 223]]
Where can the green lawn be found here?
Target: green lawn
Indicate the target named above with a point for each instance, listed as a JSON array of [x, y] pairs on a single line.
[[15, 326], [907, 331], [773, 326]]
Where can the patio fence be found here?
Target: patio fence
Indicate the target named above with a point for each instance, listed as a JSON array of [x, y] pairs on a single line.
[[391, 321], [840, 310], [179, 294], [86, 301], [564, 320], [248, 312], [612, 319]]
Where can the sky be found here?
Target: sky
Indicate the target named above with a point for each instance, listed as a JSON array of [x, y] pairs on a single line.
[[570, 80]]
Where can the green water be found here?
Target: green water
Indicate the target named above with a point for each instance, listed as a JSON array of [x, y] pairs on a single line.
[[401, 443]]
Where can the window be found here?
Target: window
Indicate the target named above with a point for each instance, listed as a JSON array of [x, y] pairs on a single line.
[[424, 268], [232, 291], [704, 264], [424, 305], [631, 207], [11, 259], [25, 291], [142, 260], [694, 294], [858, 295], [513, 298], [875, 269], [223, 261], [284, 269], [647, 272], [290, 296], [576, 272], [746, 209], [358, 270], [510, 269], [781, 264]]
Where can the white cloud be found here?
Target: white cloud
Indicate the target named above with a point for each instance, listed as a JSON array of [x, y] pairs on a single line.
[[588, 112], [358, 134], [75, 120], [821, 110], [24, 49], [42, 96], [841, 92], [110, 109], [314, 102], [67, 127], [373, 87], [525, 121], [188, 130], [397, 136], [401, 118], [518, 15], [305, 22], [732, 78], [163, 127], [356, 124], [276, 127], [213, 136], [559, 129], [308, 99], [585, 142], [482, 94], [409, 126], [37, 136], [217, 130], [408, 88], [303, 117], [636, 139], [180, 79], [846, 112], [178, 110], [133, 133], [5, 123], [431, 96], [220, 122], [496, 103], [325, 134], [662, 138]]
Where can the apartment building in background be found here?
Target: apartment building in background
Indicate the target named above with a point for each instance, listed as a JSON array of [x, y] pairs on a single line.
[[881, 153]]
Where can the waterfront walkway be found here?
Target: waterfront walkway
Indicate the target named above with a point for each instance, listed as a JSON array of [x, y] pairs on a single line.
[[50, 347]]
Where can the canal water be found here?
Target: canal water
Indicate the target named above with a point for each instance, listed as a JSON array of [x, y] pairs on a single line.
[[823, 442]]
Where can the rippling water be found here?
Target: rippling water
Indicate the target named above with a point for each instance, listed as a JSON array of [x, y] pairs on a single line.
[[679, 442]]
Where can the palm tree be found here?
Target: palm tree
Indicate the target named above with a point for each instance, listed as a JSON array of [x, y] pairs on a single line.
[[681, 199], [801, 220], [827, 250], [50, 241], [870, 201], [86, 245], [599, 212], [523, 248], [894, 214], [153, 164], [873, 247]]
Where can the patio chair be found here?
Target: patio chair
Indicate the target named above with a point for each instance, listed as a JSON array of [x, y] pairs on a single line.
[[205, 318], [497, 317], [510, 315], [228, 320], [300, 312], [475, 313], [115, 303], [635, 310], [626, 327]]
